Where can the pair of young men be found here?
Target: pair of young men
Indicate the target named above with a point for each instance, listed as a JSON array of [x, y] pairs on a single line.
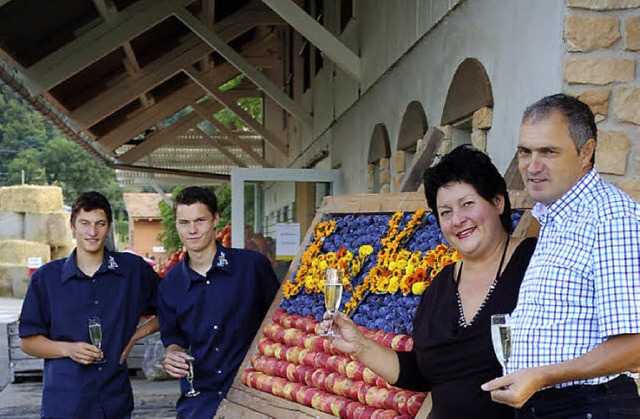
[[211, 304]]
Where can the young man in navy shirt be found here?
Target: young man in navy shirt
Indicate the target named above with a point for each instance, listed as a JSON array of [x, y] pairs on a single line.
[[210, 305], [81, 380]]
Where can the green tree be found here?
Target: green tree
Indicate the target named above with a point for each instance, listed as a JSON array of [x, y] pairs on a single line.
[[21, 128]]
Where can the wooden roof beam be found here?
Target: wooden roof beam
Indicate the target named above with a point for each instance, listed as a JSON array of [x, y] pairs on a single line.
[[158, 139], [244, 66], [165, 171], [227, 101], [98, 42], [108, 11], [324, 40], [232, 136], [190, 50], [166, 135], [170, 105], [222, 149]]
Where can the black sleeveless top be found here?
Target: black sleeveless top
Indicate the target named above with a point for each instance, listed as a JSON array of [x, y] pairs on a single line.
[[453, 361]]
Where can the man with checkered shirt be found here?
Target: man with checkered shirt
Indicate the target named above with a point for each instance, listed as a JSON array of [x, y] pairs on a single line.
[[576, 327]]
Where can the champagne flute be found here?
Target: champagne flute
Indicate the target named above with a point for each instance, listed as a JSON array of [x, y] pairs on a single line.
[[332, 295], [192, 391], [501, 339], [95, 334]]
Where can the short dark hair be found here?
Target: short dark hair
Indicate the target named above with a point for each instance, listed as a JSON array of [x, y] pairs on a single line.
[[197, 195], [468, 165], [89, 201], [581, 121]]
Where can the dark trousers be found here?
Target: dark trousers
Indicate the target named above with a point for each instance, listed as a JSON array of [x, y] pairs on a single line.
[[617, 398]]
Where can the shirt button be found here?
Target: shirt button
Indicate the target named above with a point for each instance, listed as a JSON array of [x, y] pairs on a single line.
[[99, 368], [208, 282], [219, 393], [215, 327], [217, 349], [219, 372], [95, 302]]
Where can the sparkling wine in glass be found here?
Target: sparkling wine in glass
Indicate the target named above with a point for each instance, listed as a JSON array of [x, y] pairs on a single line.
[[192, 391], [332, 295], [501, 338], [95, 334]]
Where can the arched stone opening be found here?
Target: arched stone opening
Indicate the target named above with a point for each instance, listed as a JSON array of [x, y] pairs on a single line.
[[412, 129], [467, 111], [378, 175]]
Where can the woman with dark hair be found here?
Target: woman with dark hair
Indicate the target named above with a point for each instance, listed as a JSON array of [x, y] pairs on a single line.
[[452, 353]]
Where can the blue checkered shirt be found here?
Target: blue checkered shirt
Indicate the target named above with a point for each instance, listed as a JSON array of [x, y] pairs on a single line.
[[582, 285]]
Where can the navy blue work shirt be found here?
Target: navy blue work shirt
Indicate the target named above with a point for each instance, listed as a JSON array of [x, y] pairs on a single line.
[[59, 301], [216, 317]]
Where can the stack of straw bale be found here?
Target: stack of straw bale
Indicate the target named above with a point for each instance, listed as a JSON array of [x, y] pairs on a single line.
[[32, 224]]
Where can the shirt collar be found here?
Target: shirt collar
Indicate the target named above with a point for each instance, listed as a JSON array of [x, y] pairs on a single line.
[[109, 264], [567, 203], [221, 261]]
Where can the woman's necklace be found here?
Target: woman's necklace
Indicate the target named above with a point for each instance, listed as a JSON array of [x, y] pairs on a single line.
[[461, 319]]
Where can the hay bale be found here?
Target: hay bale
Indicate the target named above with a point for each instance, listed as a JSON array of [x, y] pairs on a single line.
[[13, 275], [19, 251], [14, 279], [59, 252], [11, 225], [51, 228], [31, 198]]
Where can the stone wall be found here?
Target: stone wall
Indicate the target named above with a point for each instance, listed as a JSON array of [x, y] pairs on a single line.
[[602, 40]]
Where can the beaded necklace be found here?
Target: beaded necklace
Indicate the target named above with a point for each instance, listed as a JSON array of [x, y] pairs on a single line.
[[461, 320]]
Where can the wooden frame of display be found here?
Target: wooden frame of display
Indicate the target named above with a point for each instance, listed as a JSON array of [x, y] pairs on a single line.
[[243, 401]]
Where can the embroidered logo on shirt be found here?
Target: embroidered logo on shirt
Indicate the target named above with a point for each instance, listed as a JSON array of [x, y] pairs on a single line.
[[222, 260], [111, 264]]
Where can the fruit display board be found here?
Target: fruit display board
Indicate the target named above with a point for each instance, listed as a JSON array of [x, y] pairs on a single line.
[[388, 248]]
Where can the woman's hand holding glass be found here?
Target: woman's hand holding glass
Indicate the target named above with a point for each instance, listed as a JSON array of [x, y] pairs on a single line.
[[347, 337]]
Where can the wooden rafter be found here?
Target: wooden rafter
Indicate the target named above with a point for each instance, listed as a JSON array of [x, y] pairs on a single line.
[[243, 65], [227, 101], [172, 103], [98, 42], [232, 136], [108, 11]]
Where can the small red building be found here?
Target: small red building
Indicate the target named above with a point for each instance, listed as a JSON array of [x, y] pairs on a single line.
[[144, 225]]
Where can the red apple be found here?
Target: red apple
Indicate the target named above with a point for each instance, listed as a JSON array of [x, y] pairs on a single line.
[[354, 370], [369, 376], [400, 401], [330, 382], [321, 359], [365, 413], [414, 403], [384, 414], [387, 339], [377, 397], [354, 389], [362, 393], [277, 315], [309, 393], [299, 394], [318, 378], [338, 405], [290, 390], [389, 401], [351, 408], [307, 357], [315, 400], [342, 364]]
